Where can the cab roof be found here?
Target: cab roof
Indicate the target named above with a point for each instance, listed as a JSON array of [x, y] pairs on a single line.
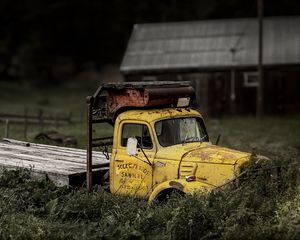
[[152, 115]]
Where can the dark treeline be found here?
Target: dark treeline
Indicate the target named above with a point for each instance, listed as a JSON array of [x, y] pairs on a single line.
[[38, 37]]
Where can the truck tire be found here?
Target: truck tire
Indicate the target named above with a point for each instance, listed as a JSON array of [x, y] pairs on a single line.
[[166, 194]]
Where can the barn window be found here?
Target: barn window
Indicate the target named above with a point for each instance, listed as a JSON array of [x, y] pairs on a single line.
[[251, 79]]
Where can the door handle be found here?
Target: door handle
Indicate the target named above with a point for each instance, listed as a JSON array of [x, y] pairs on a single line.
[[119, 160]]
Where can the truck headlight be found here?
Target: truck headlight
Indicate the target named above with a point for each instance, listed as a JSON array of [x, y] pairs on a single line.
[[190, 178]]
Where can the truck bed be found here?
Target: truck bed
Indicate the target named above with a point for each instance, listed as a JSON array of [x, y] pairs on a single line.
[[64, 166]]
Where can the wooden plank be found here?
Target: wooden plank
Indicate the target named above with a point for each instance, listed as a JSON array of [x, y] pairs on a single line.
[[55, 155], [29, 163], [55, 149], [44, 160], [58, 163], [50, 158], [38, 163], [71, 167], [49, 147]]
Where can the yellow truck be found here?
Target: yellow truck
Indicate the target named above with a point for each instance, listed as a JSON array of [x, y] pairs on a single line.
[[159, 143]]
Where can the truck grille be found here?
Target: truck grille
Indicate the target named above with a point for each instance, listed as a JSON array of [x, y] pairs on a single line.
[[187, 169]]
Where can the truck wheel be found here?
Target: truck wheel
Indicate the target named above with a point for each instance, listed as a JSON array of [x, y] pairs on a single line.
[[165, 195]]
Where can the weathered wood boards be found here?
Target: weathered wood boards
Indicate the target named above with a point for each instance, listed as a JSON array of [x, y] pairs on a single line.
[[60, 164]]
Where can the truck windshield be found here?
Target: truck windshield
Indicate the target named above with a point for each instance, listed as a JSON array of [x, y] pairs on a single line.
[[180, 130]]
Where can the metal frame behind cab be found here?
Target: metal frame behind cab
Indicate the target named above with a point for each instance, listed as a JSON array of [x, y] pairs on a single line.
[[93, 142]]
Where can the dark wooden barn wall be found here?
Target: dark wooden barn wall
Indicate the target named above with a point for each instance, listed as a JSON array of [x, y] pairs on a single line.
[[282, 90]]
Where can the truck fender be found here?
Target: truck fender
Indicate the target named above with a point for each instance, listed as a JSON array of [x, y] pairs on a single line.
[[181, 186]]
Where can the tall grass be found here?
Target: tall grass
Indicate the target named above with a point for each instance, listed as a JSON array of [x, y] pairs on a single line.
[[255, 209]]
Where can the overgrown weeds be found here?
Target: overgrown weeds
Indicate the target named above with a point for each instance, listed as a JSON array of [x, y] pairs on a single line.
[[254, 209]]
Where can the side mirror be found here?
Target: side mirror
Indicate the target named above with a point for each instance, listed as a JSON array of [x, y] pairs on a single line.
[[131, 146]]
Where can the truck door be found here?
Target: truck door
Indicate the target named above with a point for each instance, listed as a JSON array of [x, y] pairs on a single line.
[[132, 175]]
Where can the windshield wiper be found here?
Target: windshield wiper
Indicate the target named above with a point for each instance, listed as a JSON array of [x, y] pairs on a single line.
[[193, 139], [190, 139], [202, 138]]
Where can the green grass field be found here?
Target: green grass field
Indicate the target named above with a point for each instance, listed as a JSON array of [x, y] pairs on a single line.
[[256, 209], [63, 99]]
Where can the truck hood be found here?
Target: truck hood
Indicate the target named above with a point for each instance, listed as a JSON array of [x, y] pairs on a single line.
[[202, 152]]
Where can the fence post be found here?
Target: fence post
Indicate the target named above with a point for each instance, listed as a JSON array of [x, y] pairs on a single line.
[[89, 157], [70, 117], [25, 123], [56, 120], [6, 134], [40, 116]]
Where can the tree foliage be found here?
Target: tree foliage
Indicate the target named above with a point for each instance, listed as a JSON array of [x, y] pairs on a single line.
[[35, 36]]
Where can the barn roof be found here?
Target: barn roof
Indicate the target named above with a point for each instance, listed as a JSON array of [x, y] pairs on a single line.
[[212, 44]]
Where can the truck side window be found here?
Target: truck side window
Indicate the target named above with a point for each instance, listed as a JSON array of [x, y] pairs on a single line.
[[139, 131]]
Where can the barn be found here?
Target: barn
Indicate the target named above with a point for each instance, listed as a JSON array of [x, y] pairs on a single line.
[[220, 59]]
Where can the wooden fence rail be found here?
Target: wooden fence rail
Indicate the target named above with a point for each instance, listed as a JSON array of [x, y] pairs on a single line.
[[40, 118], [18, 118]]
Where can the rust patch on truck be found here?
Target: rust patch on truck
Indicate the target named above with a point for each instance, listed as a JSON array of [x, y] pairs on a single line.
[[176, 185], [214, 154], [113, 98], [203, 155]]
